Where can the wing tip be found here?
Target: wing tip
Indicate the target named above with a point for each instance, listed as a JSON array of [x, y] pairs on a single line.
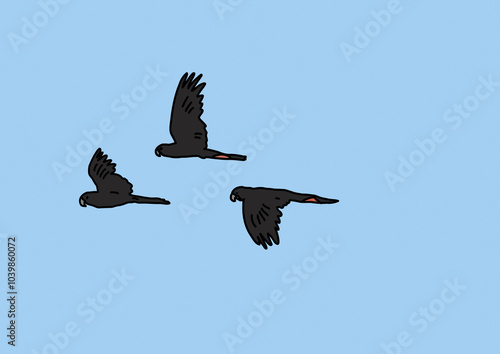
[[184, 80], [191, 82], [98, 152]]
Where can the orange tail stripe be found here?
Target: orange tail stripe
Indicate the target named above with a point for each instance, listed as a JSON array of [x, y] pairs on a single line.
[[311, 200], [221, 157]]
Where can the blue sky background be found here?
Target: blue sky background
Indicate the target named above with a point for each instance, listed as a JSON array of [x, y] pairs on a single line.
[[352, 121]]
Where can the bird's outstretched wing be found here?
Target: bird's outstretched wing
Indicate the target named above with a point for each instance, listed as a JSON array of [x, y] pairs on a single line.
[[103, 173], [186, 126], [262, 218]]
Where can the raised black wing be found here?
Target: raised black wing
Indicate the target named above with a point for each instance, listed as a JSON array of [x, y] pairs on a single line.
[[186, 126], [262, 218], [103, 173]]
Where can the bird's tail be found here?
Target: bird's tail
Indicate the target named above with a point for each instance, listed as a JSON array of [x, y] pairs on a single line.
[[311, 198], [223, 156], [235, 157], [148, 200]]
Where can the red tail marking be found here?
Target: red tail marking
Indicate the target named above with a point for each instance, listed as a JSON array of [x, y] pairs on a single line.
[[311, 200], [221, 157]]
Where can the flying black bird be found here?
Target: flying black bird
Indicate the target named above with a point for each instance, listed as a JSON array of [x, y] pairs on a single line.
[[112, 189], [261, 212], [186, 127]]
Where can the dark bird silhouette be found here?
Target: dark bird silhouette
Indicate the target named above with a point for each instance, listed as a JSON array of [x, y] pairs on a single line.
[[261, 212], [112, 189], [186, 127]]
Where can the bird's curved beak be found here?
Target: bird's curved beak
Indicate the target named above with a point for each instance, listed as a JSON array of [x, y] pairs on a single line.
[[82, 203], [157, 152], [233, 198]]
